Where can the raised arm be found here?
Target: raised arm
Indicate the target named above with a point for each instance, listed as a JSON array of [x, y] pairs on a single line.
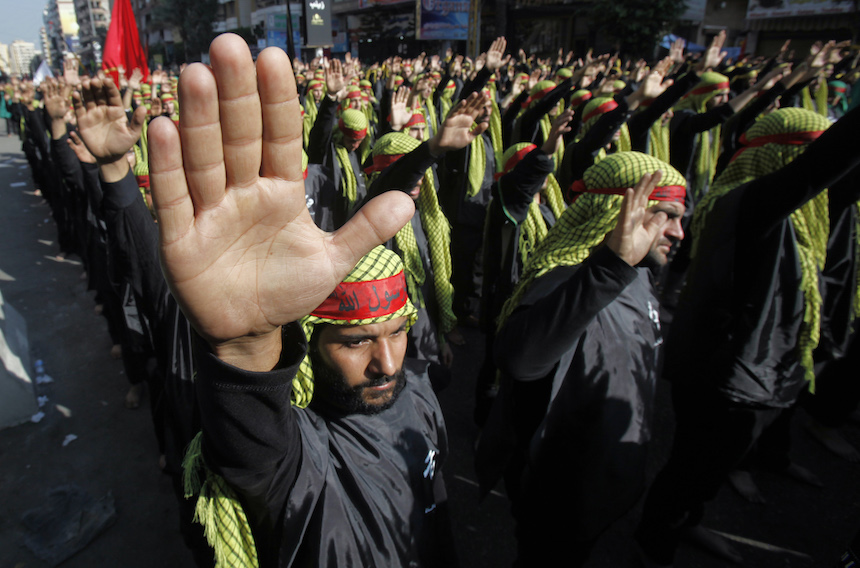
[[239, 249]]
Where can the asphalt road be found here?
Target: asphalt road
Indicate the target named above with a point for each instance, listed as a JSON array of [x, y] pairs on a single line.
[[113, 451]]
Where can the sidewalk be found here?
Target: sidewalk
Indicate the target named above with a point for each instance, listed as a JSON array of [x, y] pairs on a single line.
[[113, 450]]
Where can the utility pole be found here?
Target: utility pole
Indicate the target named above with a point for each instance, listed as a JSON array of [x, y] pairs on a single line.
[[473, 45], [291, 49]]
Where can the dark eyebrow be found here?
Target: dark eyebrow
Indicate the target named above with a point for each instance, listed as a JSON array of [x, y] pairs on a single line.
[[344, 336]]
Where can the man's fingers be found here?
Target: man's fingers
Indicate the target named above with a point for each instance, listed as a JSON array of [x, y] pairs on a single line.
[[202, 149], [239, 107], [656, 223], [97, 87], [111, 94], [282, 128], [173, 205], [89, 101], [375, 223]]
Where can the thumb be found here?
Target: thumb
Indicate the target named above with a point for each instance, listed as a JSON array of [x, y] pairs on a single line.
[[137, 120], [372, 225]]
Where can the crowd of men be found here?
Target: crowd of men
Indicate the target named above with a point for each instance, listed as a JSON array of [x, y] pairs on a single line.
[[284, 253]]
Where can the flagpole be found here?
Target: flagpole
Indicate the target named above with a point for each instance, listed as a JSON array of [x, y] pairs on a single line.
[[291, 49]]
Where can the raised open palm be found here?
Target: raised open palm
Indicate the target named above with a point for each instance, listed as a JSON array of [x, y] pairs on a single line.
[[104, 126], [238, 247]]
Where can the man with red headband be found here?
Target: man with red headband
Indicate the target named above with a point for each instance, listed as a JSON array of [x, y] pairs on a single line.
[[577, 347], [320, 446], [334, 141], [749, 319], [466, 177]]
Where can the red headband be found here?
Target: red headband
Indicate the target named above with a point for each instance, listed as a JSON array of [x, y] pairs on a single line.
[[349, 132], [708, 89], [604, 108], [364, 300], [787, 138], [581, 98], [514, 160], [380, 162], [416, 118], [537, 96], [660, 193]]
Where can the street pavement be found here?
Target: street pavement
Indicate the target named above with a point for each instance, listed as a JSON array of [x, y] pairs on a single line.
[[89, 440]]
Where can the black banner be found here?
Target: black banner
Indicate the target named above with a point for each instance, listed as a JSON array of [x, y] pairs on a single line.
[[317, 23]]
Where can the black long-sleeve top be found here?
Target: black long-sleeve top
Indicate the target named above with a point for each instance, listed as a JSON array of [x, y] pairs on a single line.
[[581, 155], [590, 334], [739, 316], [502, 264], [321, 488], [321, 150], [133, 248], [527, 127]]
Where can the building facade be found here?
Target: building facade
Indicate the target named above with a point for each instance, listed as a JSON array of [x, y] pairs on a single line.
[[21, 55], [93, 17], [61, 29]]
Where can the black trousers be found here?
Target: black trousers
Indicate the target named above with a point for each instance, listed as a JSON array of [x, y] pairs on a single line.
[[466, 270], [837, 390], [712, 437]]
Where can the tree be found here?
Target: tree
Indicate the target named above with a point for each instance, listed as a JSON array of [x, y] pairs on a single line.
[[637, 24], [193, 19]]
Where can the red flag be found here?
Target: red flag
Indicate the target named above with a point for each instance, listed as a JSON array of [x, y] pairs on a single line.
[[122, 45]]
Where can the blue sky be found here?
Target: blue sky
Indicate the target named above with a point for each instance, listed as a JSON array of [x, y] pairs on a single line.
[[21, 19]]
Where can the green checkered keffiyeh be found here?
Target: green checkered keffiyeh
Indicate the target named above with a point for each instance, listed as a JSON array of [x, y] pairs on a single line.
[[438, 232], [815, 101], [658, 136], [710, 85], [478, 152], [218, 509], [591, 113], [533, 229], [811, 222], [591, 216], [355, 121], [310, 108], [377, 264]]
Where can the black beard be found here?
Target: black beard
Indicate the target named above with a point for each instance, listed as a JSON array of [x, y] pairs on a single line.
[[330, 389]]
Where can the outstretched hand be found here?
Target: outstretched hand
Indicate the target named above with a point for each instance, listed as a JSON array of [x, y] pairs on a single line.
[[55, 96], [80, 149], [239, 249], [459, 128], [334, 79], [102, 122], [655, 83], [714, 54], [400, 114], [635, 230], [560, 127], [496, 53]]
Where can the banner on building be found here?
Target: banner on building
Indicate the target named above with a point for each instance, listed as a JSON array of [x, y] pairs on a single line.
[[340, 37], [276, 30], [791, 8], [317, 23], [442, 19]]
